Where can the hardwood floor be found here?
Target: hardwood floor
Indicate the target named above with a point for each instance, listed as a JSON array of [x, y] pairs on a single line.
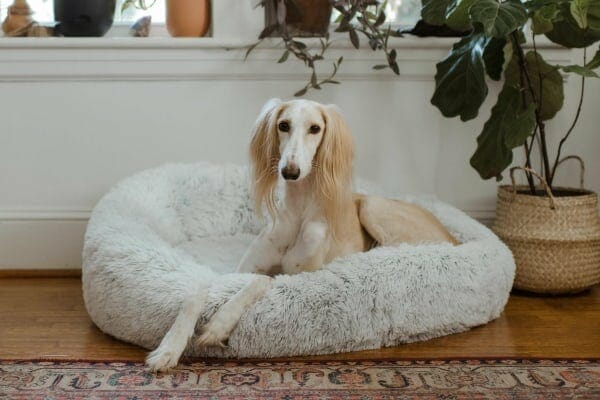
[[46, 318]]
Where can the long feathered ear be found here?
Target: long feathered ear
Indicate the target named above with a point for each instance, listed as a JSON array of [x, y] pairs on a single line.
[[333, 175], [264, 155]]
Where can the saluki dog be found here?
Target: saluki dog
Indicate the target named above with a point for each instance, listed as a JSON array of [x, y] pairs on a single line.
[[308, 148]]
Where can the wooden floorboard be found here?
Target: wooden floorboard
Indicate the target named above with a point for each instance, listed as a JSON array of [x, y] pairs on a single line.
[[46, 318]]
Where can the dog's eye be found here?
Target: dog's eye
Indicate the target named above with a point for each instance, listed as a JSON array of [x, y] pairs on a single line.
[[284, 126], [314, 129]]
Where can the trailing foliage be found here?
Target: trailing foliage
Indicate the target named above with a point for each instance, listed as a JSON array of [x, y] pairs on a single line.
[[139, 4], [533, 89], [357, 17]]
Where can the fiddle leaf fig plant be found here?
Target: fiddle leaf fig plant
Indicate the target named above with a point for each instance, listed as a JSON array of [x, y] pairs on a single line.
[[532, 92]]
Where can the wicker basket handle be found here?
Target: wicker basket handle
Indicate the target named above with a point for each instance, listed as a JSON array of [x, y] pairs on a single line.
[[542, 181], [574, 157]]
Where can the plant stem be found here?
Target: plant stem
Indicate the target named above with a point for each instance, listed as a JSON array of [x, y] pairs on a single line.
[[528, 148], [577, 114], [538, 105], [542, 137]]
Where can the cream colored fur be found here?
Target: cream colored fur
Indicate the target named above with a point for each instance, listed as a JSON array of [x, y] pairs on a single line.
[[319, 218]]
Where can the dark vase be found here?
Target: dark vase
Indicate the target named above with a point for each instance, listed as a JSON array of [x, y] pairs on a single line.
[[84, 17]]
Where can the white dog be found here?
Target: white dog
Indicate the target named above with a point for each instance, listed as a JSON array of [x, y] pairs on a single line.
[[307, 146]]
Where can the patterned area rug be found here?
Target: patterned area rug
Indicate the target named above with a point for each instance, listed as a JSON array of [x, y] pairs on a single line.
[[360, 380]]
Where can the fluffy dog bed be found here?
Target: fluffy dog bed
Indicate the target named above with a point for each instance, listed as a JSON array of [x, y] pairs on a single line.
[[158, 233]]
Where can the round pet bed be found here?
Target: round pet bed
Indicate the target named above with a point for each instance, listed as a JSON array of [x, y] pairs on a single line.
[[157, 234]]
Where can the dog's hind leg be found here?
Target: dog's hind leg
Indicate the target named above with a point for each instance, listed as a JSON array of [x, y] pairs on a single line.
[[391, 222], [171, 348], [219, 327]]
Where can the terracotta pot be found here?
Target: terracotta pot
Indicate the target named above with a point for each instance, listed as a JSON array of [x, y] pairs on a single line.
[[188, 18]]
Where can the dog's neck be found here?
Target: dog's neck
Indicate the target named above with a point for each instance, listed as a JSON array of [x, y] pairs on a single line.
[[302, 198], [300, 195]]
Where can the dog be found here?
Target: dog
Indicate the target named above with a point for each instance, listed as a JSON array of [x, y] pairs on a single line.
[[307, 147]]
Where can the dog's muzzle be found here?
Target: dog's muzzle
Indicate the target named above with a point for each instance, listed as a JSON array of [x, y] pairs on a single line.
[[290, 172]]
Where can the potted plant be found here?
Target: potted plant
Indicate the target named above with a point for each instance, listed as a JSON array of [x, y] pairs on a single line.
[[356, 17], [301, 18], [554, 232], [185, 18], [83, 18]]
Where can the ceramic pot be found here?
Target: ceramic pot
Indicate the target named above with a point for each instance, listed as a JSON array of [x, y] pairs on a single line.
[[188, 18], [84, 17]]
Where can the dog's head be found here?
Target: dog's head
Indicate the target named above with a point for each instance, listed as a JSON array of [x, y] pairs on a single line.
[[299, 140]]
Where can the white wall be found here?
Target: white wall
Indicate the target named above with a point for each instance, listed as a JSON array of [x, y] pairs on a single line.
[[74, 120]]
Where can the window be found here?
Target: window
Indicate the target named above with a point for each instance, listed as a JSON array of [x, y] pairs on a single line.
[[44, 12], [400, 13], [403, 13]]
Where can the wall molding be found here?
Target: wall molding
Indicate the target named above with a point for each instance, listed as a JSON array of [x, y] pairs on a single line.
[[167, 59], [49, 214]]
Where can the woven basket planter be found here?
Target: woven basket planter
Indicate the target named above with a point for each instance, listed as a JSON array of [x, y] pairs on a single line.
[[555, 239]]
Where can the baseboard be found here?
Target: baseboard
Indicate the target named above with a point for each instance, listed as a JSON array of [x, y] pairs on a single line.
[[39, 273], [53, 240], [30, 243]]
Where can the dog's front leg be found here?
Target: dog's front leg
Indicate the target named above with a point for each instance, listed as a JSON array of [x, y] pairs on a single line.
[[167, 354], [309, 250], [266, 251], [217, 330]]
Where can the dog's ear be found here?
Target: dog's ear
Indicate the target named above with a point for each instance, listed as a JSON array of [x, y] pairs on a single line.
[[264, 155], [334, 159]]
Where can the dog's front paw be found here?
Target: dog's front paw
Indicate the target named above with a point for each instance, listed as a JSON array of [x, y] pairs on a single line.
[[215, 333], [161, 359]]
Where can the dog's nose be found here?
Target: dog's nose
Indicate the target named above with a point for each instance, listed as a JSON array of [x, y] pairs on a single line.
[[290, 172]]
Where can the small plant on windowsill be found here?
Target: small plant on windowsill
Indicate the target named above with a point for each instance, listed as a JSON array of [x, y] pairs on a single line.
[[553, 232], [364, 18]]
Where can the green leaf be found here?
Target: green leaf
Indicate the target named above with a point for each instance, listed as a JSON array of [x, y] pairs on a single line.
[[460, 79], [380, 18], [434, 11], [593, 15], [284, 57], [493, 57], [381, 66], [552, 90], [354, 38], [567, 33], [579, 70], [509, 126], [579, 10], [126, 4], [250, 48], [457, 17], [542, 19], [301, 92], [594, 62], [498, 19]]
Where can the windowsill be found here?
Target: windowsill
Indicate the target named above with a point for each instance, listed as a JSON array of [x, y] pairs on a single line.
[[339, 41], [212, 58]]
